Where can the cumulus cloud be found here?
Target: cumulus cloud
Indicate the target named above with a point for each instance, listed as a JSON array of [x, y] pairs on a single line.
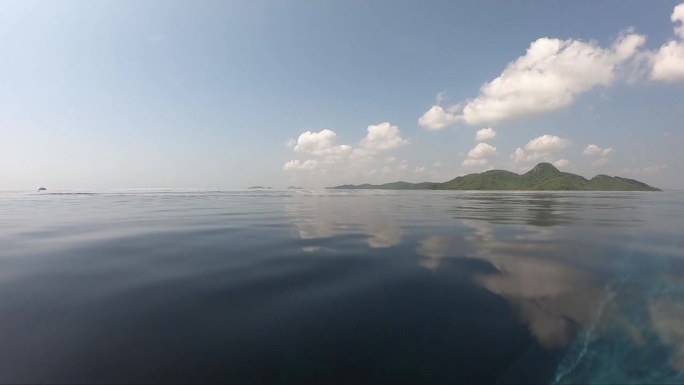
[[561, 163], [485, 134], [419, 169], [482, 151], [518, 156], [547, 143], [381, 137], [299, 165], [540, 149], [437, 118], [678, 16], [330, 162], [319, 143], [539, 157], [548, 77], [667, 64], [594, 150], [480, 155]]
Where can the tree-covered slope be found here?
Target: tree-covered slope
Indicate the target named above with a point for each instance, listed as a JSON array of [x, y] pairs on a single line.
[[543, 176]]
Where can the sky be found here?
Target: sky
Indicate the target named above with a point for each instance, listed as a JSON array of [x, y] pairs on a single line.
[[229, 94]]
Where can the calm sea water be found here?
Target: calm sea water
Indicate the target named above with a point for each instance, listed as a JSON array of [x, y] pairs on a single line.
[[341, 286]]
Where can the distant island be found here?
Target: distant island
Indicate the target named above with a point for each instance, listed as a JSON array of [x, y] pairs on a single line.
[[543, 177], [294, 188], [259, 188], [42, 189]]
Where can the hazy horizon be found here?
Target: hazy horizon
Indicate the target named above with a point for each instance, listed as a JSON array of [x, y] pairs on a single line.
[[264, 185]]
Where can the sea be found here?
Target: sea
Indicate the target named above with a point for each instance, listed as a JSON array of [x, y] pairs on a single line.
[[341, 287]]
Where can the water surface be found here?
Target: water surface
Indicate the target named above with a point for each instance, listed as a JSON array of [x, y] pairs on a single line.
[[314, 286]]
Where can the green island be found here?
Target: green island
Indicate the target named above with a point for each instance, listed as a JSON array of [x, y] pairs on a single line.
[[543, 177]]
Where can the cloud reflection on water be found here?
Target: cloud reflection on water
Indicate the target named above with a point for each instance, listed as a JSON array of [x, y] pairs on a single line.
[[553, 298], [319, 217], [560, 260], [621, 315]]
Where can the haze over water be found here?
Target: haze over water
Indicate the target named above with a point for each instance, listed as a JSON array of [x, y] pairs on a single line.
[[311, 286]]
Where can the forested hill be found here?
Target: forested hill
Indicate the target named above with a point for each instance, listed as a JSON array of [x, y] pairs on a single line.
[[543, 176]]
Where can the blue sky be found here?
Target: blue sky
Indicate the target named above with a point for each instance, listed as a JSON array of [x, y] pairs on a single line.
[[228, 94]]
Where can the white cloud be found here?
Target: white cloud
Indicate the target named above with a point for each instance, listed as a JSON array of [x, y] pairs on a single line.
[[482, 151], [561, 163], [540, 149], [437, 164], [319, 143], [678, 16], [668, 62], [594, 150], [539, 157], [547, 143], [299, 165], [419, 169], [485, 134], [480, 154], [344, 162], [436, 118], [518, 156], [381, 137], [548, 77]]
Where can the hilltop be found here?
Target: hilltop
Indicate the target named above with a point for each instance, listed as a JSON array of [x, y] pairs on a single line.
[[543, 176]]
